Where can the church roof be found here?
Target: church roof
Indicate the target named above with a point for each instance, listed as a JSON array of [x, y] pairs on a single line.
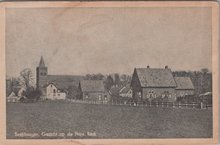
[[184, 83], [114, 91], [64, 81], [155, 77], [41, 64], [92, 86]]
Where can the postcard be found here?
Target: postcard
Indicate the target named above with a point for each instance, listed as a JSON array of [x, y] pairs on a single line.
[[109, 72]]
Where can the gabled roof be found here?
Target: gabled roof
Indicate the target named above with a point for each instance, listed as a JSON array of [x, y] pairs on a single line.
[[114, 91], [92, 86], [184, 83], [155, 77], [125, 89], [64, 81], [41, 64]]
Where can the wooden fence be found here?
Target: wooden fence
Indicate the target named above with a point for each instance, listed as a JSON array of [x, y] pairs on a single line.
[[147, 104]]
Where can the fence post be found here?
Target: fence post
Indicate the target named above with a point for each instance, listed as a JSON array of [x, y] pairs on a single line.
[[201, 105], [150, 103], [162, 104], [193, 105], [173, 105], [167, 105], [179, 105]]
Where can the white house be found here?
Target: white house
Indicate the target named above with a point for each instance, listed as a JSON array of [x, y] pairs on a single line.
[[126, 91], [12, 97], [53, 93]]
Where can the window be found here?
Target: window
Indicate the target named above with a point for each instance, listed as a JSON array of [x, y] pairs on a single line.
[[44, 73], [51, 86], [54, 91], [170, 96], [41, 74]]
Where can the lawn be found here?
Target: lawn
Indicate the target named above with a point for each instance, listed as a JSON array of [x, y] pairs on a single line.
[[72, 120]]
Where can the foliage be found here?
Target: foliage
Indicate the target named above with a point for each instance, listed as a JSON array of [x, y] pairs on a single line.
[[109, 83], [98, 76], [32, 94], [72, 92], [26, 78]]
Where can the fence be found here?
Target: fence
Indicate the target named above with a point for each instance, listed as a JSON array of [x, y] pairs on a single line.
[[200, 105]]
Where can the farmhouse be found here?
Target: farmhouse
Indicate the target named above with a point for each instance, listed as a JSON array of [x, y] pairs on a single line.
[[158, 83], [184, 86], [62, 82], [93, 90]]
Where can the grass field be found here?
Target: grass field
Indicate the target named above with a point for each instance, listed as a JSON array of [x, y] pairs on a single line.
[[51, 119]]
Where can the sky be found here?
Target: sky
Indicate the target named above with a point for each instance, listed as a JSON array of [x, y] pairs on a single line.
[[79, 41]]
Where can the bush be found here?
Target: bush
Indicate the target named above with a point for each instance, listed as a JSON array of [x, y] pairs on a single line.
[[31, 95]]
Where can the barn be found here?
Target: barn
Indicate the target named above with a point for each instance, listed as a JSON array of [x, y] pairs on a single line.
[[93, 90], [184, 86]]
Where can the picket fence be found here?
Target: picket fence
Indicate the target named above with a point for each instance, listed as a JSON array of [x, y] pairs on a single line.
[[200, 105]]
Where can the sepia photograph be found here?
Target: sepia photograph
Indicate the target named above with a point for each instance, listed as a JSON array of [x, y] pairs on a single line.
[[124, 71]]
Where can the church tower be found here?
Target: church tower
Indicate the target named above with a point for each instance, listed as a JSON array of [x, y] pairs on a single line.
[[41, 73]]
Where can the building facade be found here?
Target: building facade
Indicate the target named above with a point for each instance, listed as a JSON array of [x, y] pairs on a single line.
[[158, 84], [53, 93], [93, 90], [62, 82]]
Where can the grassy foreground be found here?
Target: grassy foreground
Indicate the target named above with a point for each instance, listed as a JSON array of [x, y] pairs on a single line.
[[71, 120]]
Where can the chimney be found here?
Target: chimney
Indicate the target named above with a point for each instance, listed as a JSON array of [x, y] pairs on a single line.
[[166, 66], [148, 66]]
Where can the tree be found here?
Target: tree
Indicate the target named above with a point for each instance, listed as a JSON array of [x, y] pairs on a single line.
[[26, 81], [117, 79], [204, 70], [109, 83], [73, 92], [26, 78]]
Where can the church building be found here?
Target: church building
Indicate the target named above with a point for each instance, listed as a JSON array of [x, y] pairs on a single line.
[[61, 82]]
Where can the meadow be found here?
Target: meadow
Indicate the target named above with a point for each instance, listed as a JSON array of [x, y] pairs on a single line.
[[74, 120]]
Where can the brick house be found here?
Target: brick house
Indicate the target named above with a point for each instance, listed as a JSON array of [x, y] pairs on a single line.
[[158, 83], [93, 90]]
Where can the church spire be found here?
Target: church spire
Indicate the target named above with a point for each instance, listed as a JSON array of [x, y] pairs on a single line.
[[41, 64]]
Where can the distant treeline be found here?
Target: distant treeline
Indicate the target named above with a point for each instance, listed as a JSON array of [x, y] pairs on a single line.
[[202, 80]]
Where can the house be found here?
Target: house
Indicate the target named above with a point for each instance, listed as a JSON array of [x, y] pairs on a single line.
[[93, 90], [126, 91], [53, 93], [15, 94], [184, 86], [62, 82], [152, 83], [12, 98], [159, 84], [206, 98], [114, 91]]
